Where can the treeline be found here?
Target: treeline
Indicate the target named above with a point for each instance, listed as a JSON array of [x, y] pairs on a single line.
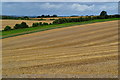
[[81, 19], [14, 17], [103, 15], [26, 17], [24, 25], [46, 16]]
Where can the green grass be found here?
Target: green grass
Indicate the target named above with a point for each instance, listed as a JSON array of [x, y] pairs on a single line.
[[17, 32]]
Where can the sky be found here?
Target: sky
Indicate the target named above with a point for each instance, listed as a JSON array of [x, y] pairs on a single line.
[[58, 8], [60, 0]]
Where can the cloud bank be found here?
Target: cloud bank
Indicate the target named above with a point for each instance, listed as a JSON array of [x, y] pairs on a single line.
[[59, 8]]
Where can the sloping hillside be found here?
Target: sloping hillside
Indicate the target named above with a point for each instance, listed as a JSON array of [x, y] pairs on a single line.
[[89, 50]]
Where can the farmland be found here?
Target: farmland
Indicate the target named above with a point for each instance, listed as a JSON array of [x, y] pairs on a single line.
[[13, 22], [56, 18], [89, 50], [17, 32]]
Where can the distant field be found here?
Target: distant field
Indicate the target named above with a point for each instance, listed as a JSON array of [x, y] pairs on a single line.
[[79, 51], [55, 18], [60, 17], [12, 33], [13, 22], [29, 22]]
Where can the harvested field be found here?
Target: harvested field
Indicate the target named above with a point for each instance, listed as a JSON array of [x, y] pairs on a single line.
[[62, 17], [13, 22], [55, 18], [82, 51]]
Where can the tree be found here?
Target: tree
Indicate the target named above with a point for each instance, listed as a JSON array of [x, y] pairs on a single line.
[[35, 24], [103, 13], [47, 15], [54, 15], [24, 25], [38, 16], [45, 23], [17, 26], [43, 16], [7, 28], [26, 17], [40, 23], [50, 24]]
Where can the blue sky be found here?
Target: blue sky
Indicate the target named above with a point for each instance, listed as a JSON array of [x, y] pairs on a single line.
[[59, 8], [60, 0]]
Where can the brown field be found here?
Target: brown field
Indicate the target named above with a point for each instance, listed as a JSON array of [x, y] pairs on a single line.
[[83, 51], [60, 17], [13, 22], [56, 17]]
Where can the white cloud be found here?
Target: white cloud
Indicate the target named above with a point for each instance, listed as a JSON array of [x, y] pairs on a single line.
[[50, 6], [79, 7], [73, 7], [112, 7]]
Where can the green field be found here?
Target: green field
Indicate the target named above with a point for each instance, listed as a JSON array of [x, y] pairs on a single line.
[[12, 33]]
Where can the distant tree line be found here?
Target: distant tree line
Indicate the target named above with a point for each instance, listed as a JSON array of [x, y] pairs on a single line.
[[46, 16], [24, 25], [103, 15], [26, 17], [14, 17], [40, 24]]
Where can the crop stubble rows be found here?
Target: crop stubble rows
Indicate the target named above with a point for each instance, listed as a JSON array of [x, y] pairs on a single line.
[[89, 50]]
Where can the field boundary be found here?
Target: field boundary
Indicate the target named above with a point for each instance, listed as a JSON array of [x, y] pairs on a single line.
[[77, 23]]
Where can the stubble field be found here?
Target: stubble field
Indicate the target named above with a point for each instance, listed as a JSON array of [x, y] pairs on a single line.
[[84, 51]]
